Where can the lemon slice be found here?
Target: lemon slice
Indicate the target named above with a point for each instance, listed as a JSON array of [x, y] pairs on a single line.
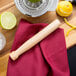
[[7, 20]]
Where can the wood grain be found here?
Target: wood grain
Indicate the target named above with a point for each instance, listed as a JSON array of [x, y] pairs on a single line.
[[5, 2], [46, 18], [7, 6]]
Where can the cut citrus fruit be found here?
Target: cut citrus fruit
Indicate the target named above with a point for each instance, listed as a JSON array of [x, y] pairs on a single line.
[[7, 20], [34, 1], [64, 8]]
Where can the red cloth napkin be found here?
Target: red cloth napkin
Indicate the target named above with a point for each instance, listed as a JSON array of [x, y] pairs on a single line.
[[48, 58]]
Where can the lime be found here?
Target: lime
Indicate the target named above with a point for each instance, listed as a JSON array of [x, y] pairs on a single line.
[[34, 1], [7, 20]]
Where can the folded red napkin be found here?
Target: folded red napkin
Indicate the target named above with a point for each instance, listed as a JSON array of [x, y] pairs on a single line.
[[48, 58]]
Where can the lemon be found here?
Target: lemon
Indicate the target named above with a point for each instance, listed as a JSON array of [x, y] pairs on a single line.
[[7, 20], [64, 8]]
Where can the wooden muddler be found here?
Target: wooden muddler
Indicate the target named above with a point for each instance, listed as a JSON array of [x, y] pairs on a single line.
[[35, 39]]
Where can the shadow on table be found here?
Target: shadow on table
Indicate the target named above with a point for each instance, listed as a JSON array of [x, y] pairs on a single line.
[[72, 60]]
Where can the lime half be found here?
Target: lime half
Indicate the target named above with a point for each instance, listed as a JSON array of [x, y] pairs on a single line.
[[34, 1], [7, 20]]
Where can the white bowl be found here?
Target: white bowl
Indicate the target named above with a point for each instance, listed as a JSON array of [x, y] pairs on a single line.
[[2, 41]]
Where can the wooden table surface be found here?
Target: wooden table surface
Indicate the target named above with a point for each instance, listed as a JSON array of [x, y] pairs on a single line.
[[46, 18]]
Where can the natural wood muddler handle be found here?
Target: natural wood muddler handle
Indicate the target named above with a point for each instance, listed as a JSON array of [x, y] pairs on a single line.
[[35, 39]]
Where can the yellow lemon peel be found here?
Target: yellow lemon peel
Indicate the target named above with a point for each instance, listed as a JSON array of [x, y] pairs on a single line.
[[69, 31], [64, 9], [72, 26], [69, 23]]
